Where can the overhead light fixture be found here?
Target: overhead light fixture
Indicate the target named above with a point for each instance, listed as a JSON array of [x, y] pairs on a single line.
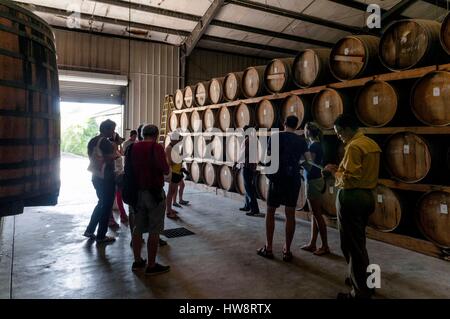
[[94, 78]]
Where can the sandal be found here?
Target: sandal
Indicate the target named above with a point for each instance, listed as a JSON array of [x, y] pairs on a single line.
[[287, 256], [322, 251], [309, 248], [265, 253]]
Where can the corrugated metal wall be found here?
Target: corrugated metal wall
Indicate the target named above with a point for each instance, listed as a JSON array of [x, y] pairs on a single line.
[[153, 69], [204, 65]]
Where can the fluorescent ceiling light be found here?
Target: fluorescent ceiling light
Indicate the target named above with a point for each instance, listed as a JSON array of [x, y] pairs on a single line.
[[90, 77]]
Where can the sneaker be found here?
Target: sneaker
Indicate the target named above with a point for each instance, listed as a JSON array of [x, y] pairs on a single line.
[[139, 264], [89, 235], [162, 242], [177, 205], [244, 209], [184, 202], [106, 240], [156, 270], [252, 214]]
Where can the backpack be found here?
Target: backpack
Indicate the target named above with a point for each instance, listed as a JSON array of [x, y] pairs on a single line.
[[129, 185]]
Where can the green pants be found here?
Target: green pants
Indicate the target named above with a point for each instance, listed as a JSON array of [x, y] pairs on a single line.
[[354, 207]]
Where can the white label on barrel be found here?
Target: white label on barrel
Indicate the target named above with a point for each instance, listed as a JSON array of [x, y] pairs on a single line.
[[406, 149], [444, 209], [251, 82], [265, 112], [380, 198], [375, 100], [331, 189], [231, 85], [275, 70], [436, 92], [224, 116], [327, 104], [346, 51], [305, 64], [292, 108], [242, 114], [225, 173]]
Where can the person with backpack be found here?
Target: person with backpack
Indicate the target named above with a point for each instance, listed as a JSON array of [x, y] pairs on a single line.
[[284, 185], [101, 157]]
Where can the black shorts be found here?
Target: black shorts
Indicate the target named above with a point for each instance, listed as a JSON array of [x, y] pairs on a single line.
[[176, 178], [284, 193]]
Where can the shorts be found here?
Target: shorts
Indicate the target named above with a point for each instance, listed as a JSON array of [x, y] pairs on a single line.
[[176, 178], [148, 214], [284, 193], [314, 188]]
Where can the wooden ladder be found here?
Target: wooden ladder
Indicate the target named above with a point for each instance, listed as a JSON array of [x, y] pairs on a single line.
[[166, 110]]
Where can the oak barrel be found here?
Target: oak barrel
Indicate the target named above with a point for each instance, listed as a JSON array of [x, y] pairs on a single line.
[[216, 90], [376, 103], [217, 148], [354, 56], [210, 174], [239, 182], [266, 114], [311, 67], [233, 148], [293, 105], [200, 146], [209, 119], [262, 186], [278, 75], [253, 81], [173, 122], [188, 146], [29, 112], [328, 197], [328, 104], [224, 118], [388, 210], [232, 86], [202, 93], [407, 157], [226, 178], [445, 34], [196, 172], [184, 122], [430, 99], [243, 115], [189, 99], [433, 218], [196, 121], [179, 99], [410, 43]]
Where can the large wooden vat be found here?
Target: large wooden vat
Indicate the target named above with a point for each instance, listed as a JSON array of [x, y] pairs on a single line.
[[232, 86], [243, 115], [196, 121], [407, 157], [388, 210], [410, 43], [226, 178], [29, 112], [327, 106], [202, 93], [253, 81], [376, 103], [430, 99], [216, 90], [224, 118], [354, 56], [311, 67], [433, 218], [184, 122], [278, 75], [196, 172], [179, 99], [189, 98], [173, 122], [445, 34], [266, 114], [293, 105], [210, 174]]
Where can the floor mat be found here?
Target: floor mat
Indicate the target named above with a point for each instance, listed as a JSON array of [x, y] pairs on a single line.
[[177, 232]]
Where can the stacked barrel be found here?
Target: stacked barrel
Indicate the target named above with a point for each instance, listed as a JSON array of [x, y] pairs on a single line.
[[29, 111], [305, 86]]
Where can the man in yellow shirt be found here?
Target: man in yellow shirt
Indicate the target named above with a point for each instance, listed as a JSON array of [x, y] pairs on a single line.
[[356, 177]]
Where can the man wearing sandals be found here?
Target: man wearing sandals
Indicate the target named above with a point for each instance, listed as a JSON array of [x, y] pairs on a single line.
[[284, 185], [149, 165], [356, 177]]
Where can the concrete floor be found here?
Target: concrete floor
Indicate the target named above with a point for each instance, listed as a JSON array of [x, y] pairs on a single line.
[[47, 257]]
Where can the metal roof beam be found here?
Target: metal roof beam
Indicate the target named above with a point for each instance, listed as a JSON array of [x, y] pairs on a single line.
[[396, 11]]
